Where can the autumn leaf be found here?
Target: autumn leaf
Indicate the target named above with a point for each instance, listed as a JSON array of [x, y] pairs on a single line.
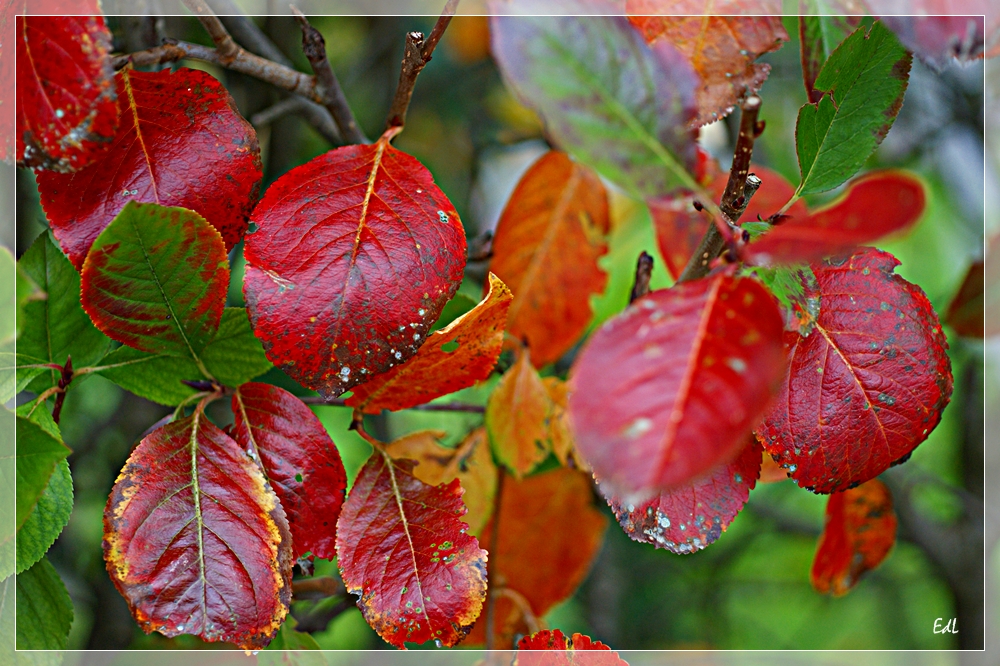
[[818, 37], [939, 40], [548, 241], [404, 550], [671, 387], [344, 286], [555, 640], [180, 142], [966, 312], [195, 539], [770, 471], [859, 533], [867, 385], [299, 460], [518, 416], [721, 49], [66, 113], [547, 517], [693, 516], [452, 358], [560, 428]]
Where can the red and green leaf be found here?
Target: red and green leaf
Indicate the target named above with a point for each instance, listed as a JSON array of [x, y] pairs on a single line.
[[867, 385], [195, 539], [180, 142], [355, 255], [299, 459], [556, 640], [672, 387], [859, 533], [404, 550], [66, 112]]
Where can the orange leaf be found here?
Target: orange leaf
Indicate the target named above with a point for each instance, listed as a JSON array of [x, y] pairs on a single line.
[[547, 244], [468, 38], [517, 417], [439, 367], [470, 462], [560, 433], [722, 50], [770, 471], [860, 530]]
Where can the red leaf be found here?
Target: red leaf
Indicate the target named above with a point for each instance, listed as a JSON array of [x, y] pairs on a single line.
[[671, 387], [938, 39], [433, 372], [402, 548], [859, 533], [180, 142], [875, 205], [299, 459], [66, 114], [554, 639], [355, 255], [691, 517], [867, 385], [196, 540], [966, 312]]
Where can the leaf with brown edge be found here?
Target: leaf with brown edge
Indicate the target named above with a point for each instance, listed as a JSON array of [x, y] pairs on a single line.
[[404, 550], [867, 385], [860, 531], [518, 415], [874, 205], [966, 314], [722, 49], [470, 462], [549, 238], [548, 517], [355, 254], [299, 460], [66, 112], [180, 142], [552, 640], [196, 540], [455, 357], [693, 516], [670, 388]]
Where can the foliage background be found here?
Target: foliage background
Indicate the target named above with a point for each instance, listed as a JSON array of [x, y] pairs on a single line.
[[750, 590]]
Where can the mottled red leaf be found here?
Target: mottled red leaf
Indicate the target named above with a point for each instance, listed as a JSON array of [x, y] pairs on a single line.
[[722, 49], [66, 112], [552, 640], [180, 142], [692, 516], [874, 205], [859, 533], [196, 540], [548, 241], [299, 460], [403, 548], [966, 312], [867, 385], [545, 518], [671, 387], [355, 255], [452, 358]]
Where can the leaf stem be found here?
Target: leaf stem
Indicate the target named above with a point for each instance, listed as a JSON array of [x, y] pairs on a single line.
[[228, 49], [428, 407], [64, 382], [318, 588]]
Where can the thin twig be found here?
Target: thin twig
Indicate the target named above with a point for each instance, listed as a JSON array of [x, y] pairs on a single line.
[[734, 199], [319, 587], [64, 381], [429, 407], [224, 44], [278, 110], [643, 273], [416, 55], [333, 98], [493, 583]]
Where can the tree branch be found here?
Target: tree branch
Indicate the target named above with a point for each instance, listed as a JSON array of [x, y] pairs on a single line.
[[429, 407], [224, 44], [643, 273], [319, 587], [314, 47], [416, 55]]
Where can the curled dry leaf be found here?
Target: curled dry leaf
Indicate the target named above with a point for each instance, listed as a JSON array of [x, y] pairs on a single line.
[[722, 49], [518, 416], [548, 241], [195, 539], [66, 112], [355, 254], [455, 357], [684, 373], [859, 533], [867, 385], [299, 459], [180, 142], [695, 515], [404, 550], [554, 639]]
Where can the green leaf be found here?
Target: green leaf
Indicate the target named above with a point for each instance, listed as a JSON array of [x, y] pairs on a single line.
[[288, 638], [864, 81], [797, 290], [39, 449], [55, 327], [7, 494], [48, 518], [7, 615], [8, 297], [455, 308], [234, 357], [44, 609]]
